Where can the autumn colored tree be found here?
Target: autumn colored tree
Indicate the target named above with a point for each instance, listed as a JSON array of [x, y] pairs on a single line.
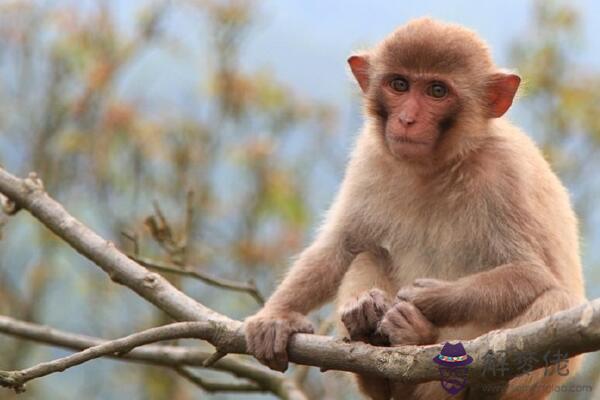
[[153, 131]]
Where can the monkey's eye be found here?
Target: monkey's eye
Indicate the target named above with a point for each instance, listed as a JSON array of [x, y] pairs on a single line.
[[437, 90], [399, 84]]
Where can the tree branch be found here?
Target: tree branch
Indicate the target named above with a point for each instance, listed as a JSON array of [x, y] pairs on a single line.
[[165, 356], [29, 194], [211, 386], [192, 272], [572, 331], [179, 330]]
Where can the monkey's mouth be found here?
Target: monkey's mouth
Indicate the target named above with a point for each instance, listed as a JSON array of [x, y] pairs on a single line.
[[406, 140], [404, 147]]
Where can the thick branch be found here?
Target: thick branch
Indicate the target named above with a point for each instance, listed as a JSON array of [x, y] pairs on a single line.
[[573, 331], [30, 195]]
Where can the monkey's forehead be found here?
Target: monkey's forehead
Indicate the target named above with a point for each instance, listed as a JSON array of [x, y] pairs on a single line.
[[429, 45]]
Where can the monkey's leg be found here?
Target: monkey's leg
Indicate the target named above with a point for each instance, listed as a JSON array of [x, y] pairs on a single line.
[[492, 297], [368, 271], [404, 324], [504, 297], [539, 384]]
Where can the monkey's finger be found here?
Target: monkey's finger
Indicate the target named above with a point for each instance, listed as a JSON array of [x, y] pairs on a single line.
[[280, 357], [409, 311], [414, 317], [352, 326], [422, 330], [363, 313], [407, 293], [358, 321], [279, 365], [392, 321], [380, 302], [371, 315], [349, 307], [377, 295], [249, 333], [428, 283], [255, 334], [267, 342], [397, 316], [303, 326]]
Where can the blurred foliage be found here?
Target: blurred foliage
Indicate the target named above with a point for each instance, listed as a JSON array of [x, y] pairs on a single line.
[[562, 100], [227, 198], [216, 175]]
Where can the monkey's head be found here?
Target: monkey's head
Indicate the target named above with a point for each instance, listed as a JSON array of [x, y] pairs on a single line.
[[431, 88]]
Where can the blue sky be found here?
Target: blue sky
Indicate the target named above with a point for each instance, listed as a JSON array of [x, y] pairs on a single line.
[[307, 42]]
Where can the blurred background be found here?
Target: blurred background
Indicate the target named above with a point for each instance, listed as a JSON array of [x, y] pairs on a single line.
[[214, 134]]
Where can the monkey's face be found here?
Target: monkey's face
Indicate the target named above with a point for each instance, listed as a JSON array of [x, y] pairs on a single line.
[[415, 111], [431, 88]]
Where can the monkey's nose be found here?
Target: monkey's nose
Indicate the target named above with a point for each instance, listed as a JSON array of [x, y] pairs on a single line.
[[407, 120]]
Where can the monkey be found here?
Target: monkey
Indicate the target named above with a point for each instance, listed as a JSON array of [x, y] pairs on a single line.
[[448, 222]]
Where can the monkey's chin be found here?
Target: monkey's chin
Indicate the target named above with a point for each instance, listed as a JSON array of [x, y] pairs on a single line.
[[405, 150]]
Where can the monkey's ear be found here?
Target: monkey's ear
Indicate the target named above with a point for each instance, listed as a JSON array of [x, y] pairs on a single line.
[[502, 88], [359, 65]]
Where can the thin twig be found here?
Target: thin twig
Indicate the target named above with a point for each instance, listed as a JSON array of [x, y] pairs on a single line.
[[161, 231], [160, 215], [216, 356], [178, 330], [189, 227], [211, 386], [572, 331], [160, 355], [133, 237], [192, 272], [30, 194]]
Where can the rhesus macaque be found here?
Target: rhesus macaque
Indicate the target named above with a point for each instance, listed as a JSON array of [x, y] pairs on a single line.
[[449, 222]]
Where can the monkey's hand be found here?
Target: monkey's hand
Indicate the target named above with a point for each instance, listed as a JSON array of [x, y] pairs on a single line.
[[433, 297], [267, 336], [362, 315], [404, 324]]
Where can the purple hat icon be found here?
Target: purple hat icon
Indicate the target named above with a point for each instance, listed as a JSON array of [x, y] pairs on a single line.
[[453, 355]]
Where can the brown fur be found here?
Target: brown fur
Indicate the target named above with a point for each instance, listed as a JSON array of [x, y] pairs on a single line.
[[481, 222]]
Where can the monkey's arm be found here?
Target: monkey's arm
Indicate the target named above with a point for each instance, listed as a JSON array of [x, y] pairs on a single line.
[[493, 296], [315, 276], [312, 280]]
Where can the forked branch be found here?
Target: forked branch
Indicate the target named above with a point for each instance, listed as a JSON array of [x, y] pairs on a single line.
[[572, 331]]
